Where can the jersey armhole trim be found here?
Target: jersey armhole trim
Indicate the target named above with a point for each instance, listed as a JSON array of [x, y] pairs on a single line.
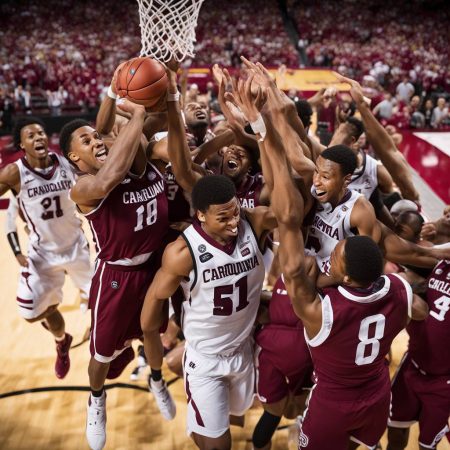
[[409, 293], [194, 262], [327, 323]]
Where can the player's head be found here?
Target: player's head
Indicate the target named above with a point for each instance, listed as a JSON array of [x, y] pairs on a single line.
[[408, 225], [304, 111], [82, 145], [349, 132], [334, 168], [357, 261], [217, 208], [30, 136], [196, 115], [237, 162]]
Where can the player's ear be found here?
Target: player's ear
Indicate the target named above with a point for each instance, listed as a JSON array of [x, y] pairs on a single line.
[[347, 179], [346, 280], [73, 157], [201, 216]]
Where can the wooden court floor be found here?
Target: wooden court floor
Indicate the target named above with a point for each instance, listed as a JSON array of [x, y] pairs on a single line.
[[55, 419]]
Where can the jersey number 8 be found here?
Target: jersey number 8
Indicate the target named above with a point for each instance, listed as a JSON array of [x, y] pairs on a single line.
[[365, 340]]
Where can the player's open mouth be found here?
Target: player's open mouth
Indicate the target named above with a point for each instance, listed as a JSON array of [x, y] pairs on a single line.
[[200, 115], [40, 148], [232, 164], [101, 155], [233, 230], [320, 193]]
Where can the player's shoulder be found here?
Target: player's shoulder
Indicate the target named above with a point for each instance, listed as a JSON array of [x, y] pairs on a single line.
[[177, 257], [10, 173]]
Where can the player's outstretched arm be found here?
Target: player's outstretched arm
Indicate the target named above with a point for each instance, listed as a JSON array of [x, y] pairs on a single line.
[[89, 190], [176, 265], [382, 143], [177, 146]]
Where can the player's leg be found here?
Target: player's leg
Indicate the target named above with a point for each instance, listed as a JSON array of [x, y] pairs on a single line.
[[434, 395], [208, 408], [38, 295], [174, 359], [405, 406]]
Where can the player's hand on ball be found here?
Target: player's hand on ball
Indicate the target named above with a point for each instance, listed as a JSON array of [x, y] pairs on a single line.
[[129, 107], [22, 260]]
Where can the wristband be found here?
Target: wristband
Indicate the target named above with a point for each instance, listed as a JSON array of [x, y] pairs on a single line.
[[173, 97], [13, 240], [111, 93], [259, 127]]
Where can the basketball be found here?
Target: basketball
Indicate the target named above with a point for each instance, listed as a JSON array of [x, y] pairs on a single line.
[[142, 80]]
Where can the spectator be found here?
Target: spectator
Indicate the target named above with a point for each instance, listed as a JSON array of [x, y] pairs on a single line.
[[440, 113], [404, 91], [385, 109]]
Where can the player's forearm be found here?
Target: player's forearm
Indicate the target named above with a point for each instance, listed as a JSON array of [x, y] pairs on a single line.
[[212, 146], [154, 350], [122, 152], [178, 149], [106, 115]]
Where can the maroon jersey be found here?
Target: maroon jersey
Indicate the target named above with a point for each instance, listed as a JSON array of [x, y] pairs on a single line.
[[429, 339], [358, 327], [280, 307], [132, 220], [249, 191], [179, 207]]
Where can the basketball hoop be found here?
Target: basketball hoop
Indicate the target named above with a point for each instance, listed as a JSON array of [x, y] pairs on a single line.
[[168, 28]]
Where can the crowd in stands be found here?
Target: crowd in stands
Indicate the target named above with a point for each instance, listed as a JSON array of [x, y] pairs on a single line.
[[57, 57]]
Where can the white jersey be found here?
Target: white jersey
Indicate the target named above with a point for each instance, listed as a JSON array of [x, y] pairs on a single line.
[[365, 178], [225, 288], [328, 228], [44, 201]]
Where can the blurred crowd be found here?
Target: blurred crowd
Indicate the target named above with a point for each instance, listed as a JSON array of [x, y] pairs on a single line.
[[56, 57]]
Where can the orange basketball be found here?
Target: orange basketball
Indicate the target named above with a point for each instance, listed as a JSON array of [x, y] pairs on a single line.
[[142, 80]]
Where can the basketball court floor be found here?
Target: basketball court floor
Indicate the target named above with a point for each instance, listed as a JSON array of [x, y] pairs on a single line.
[[38, 411]]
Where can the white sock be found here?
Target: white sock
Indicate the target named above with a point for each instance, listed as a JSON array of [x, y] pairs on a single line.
[[61, 338]]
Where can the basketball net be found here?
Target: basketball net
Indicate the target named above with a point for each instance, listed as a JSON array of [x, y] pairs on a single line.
[[168, 28]]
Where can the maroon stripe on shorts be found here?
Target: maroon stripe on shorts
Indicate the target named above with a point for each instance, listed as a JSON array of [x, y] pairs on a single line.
[[21, 300], [198, 417], [26, 307]]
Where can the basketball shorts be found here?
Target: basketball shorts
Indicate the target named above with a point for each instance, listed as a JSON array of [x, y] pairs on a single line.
[[217, 386], [283, 363], [116, 299], [40, 284], [329, 422], [423, 398]]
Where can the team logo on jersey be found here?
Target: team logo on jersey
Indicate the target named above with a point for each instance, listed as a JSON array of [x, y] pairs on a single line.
[[344, 208], [151, 176], [202, 248], [205, 257], [245, 251], [439, 271], [28, 180], [126, 181], [303, 440], [63, 173], [114, 284]]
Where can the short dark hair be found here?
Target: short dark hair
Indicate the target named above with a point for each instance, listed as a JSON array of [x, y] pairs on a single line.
[[411, 218], [212, 190], [22, 123], [363, 259], [65, 137], [304, 111], [358, 125], [343, 156]]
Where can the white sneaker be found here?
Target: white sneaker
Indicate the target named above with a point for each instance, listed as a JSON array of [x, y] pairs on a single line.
[[96, 422], [163, 398]]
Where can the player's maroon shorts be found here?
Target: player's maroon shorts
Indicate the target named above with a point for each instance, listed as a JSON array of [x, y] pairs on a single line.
[[283, 363], [116, 298], [420, 397], [331, 422]]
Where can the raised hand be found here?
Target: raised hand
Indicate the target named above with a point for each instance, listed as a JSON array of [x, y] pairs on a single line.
[[262, 75], [355, 88]]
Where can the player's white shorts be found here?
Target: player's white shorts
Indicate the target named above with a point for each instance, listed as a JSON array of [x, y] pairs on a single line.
[[217, 387], [40, 284]]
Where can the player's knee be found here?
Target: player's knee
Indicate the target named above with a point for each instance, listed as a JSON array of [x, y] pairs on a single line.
[[265, 429], [50, 310], [397, 438]]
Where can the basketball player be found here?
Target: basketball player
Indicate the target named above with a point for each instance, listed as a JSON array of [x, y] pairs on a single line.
[[57, 245], [350, 401], [219, 256], [420, 388], [123, 197]]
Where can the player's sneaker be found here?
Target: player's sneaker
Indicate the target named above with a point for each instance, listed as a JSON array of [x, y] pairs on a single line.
[[96, 422], [163, 398], [141, 364], [62, 364]]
